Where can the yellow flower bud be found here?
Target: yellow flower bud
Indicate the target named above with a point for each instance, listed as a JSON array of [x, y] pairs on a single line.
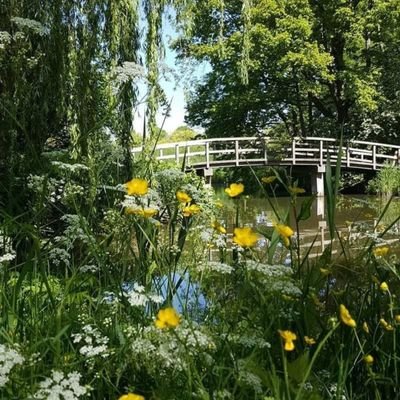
[[288, 337], [368, 359], [384, 287], [346, 317]]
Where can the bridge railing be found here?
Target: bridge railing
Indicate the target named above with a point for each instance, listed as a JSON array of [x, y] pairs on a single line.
[[236, 151]]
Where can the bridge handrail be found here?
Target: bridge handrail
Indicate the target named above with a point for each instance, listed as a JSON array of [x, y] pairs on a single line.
[[297, 140], [351, 141]]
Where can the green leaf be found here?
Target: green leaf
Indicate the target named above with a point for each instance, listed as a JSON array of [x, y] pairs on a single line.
[[305, 211], [298, 367]]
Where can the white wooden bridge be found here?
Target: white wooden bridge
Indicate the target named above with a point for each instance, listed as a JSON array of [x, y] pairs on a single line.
[[209, 154]]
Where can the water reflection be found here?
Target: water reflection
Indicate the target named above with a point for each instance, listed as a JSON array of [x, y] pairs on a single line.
[[357, 218]]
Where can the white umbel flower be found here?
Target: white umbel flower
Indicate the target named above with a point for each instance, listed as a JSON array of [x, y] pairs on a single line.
[[60, 387], [9, 358]]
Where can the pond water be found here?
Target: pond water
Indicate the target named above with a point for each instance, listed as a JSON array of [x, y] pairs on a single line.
[[356, 217]]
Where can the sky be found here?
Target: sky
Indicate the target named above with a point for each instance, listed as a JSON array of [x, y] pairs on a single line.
[[174, 85]]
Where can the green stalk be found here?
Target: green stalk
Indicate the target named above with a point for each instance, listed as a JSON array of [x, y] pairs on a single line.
[[314, 357], [285, 374]]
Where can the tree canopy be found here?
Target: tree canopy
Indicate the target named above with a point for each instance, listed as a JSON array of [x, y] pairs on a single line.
[[304, 67]]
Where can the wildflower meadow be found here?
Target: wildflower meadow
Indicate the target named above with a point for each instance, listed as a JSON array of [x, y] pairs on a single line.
[[136, 137], [145, 291]]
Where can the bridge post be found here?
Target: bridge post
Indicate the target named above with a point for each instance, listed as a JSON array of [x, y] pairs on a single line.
[[321, 207], [177, 154], [374, 157], [265, 151], [207, 155], [317, 181], [208, 173], [322, 227], [237, 152], [294, 151]]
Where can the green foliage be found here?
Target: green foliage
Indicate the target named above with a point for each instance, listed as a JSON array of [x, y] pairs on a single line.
[[182, 134], [308, 66], [387, 181], [85, 279], [86, 267], [60, 73]]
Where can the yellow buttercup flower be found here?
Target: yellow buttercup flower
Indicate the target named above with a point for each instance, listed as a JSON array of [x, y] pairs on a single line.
[[137, 187], [245, 237], [183, 197], [218, 227], [397, 318], [346, 317], [143, 212], [149, 212], [365, 327], [296, 190], [131, 396], [235, 189], [285, 232], [268, 179], [384, 287], [380, 251], [191, 210], [309, 340], [167, 318], [368, 359], [289, 337], [385, 325]]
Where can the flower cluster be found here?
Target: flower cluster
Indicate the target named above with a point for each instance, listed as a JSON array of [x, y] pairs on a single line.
[[7, 257], [161, 351], [270, 271], [61, 387], [136, 296], [9, 358], [214, 266], [94, 343]]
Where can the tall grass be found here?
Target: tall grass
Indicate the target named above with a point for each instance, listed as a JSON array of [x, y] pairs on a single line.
[[83, 278], [387, 181]]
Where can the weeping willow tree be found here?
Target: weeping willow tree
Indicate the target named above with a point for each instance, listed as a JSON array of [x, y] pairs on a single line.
[[58, 66], [56, 80]]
